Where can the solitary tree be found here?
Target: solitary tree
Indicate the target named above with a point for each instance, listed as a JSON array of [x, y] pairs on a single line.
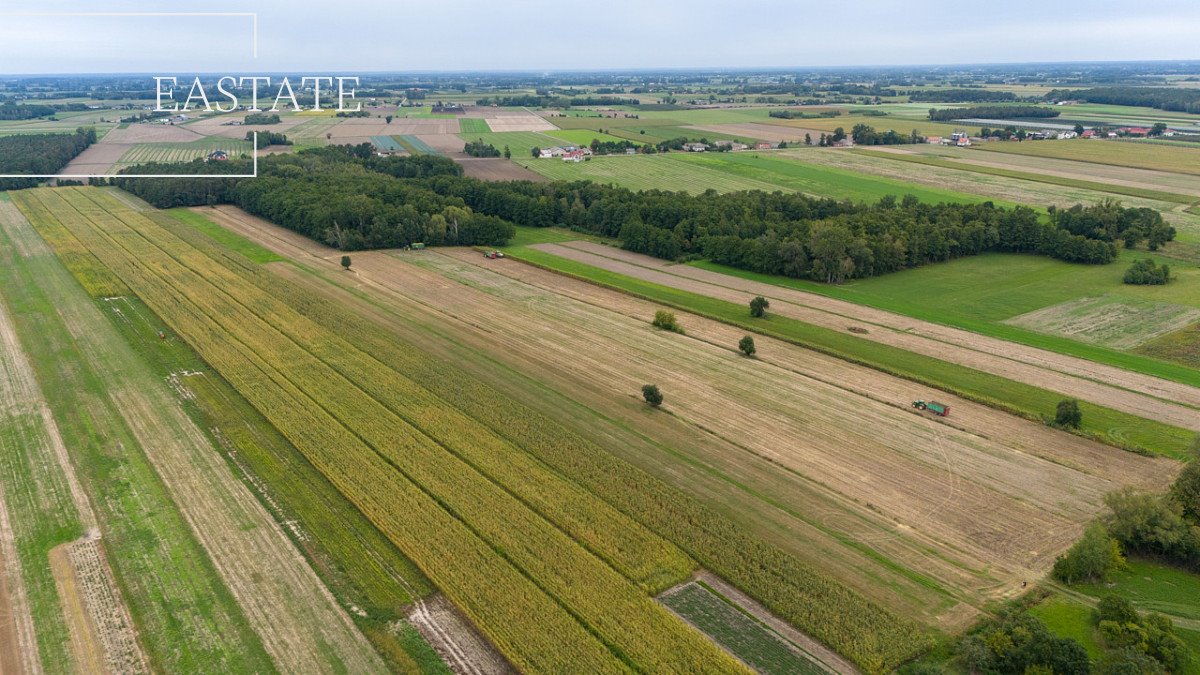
[[808, 139], [758, 307], [1078, 129], [666, 321], [346, 262], [388, 119], [1068, 414], [507, 153], [652, 395], [747, 346]]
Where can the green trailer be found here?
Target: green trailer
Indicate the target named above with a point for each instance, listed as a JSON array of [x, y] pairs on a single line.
[[939, 409]]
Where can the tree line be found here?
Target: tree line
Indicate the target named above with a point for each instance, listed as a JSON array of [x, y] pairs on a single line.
[[1163, 98], [40, 154], [345, 196], [991, 112]]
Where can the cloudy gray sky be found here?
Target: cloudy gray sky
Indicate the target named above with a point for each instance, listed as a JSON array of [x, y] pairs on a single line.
[[405, 35]]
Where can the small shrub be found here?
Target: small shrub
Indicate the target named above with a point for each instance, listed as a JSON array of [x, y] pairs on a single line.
[[1068, 414], [1145, 273], [747, 346], [652, 395], [758, 307], [666, 321]]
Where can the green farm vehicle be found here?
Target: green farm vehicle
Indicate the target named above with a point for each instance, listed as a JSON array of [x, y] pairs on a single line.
[[939, 409]]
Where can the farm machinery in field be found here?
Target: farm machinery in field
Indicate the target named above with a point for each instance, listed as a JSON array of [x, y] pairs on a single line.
[[493, 255], [939, 409]]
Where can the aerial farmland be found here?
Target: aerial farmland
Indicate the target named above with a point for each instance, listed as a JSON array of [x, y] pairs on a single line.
[[591, 368]]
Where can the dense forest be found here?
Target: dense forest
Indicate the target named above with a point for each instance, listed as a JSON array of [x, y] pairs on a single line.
[[40, 154], [1004, 112], [12, 111], [344, 197], [351, 199], [1163, 98]]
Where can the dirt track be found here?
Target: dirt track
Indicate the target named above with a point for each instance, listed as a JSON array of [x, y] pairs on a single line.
[[995, 496], [1142, 395]]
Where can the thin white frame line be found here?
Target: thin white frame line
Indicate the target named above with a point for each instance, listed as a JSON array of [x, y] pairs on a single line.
[[252, 15], [142, 175]]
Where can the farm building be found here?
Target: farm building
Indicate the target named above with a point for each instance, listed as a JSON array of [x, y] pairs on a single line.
[[933, 140], [217, 156], [763, 145], [844, 143], [573, 156], [695, 147]]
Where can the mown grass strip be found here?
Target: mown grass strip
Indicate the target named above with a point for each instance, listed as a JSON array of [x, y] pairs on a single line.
[[854, 626], [637, 630], [1102, 423], [1129, 191]]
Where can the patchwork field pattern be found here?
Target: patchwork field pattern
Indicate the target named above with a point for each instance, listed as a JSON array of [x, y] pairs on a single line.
[[368, 434]]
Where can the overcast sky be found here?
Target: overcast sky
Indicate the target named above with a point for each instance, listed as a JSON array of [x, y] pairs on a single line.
[[355, 36]]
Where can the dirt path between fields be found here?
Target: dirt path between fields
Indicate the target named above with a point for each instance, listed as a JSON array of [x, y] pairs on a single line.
[[979, 501], [461, 647], [1150, 397]]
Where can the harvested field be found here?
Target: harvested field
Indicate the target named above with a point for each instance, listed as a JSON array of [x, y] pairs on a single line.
[[455, 640], [795, 590], [1149, 397], [359, 127], [153, 133], [98, 159], [1120, 323], [528, 122], [584, 339], [413, 127], [445, 144], [87, 652], [107, 617], [497, 168], [762, 132]]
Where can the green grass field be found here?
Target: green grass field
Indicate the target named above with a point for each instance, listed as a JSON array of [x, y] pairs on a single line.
[[790, 173], [1069, 618], [1118, 153], [1102, 423], [644, 172], [1154, 587], [979, 293], [519, 142], [741, 634], [473, 125]]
